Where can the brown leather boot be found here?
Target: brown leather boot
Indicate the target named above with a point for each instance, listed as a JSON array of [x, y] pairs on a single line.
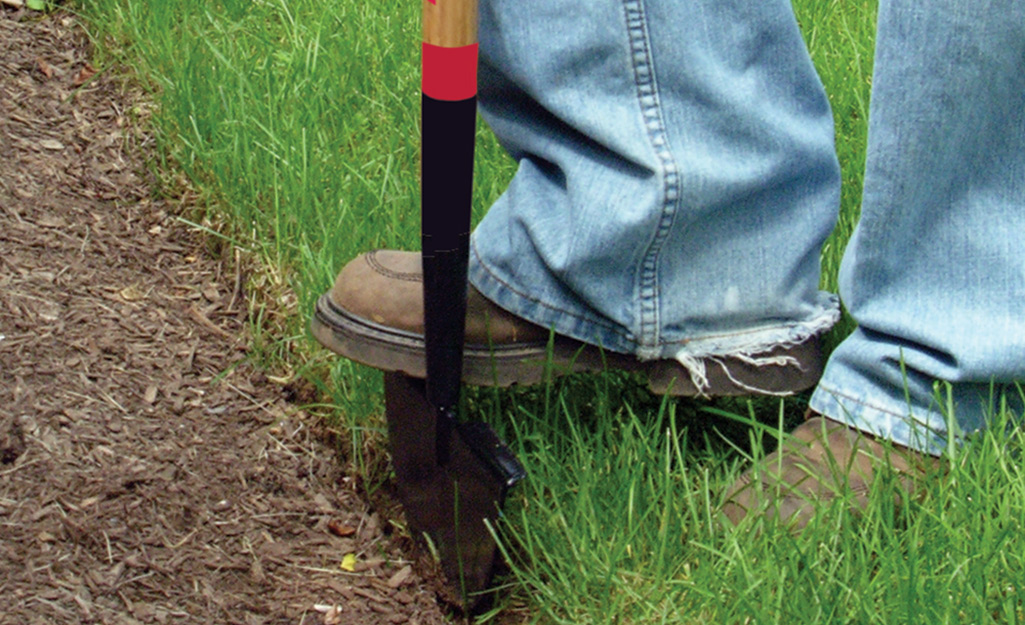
[[374, 315], [815, 463]]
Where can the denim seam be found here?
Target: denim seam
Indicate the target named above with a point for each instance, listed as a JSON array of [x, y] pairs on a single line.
[[537, 302], [727, 335], [648, 335], [915, 439], [827, 389]]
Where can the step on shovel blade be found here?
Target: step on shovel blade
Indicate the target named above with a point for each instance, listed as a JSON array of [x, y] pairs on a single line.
[[452, 504], [452, 477]]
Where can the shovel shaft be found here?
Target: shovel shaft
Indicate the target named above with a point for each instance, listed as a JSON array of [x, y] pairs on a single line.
[[449, 110], [450, 490]]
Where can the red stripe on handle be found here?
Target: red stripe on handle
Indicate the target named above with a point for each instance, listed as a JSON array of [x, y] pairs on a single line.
[[450, 73]]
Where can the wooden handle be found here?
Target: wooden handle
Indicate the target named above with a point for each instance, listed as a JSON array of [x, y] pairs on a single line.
[[450, 23]]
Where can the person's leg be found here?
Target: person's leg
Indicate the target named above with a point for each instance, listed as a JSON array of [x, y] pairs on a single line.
[[935, 273], [676, 180]]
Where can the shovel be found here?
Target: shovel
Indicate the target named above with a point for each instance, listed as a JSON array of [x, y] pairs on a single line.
[[452, 476]]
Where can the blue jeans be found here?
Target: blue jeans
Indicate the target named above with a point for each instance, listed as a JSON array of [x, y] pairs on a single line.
[[677, 179]]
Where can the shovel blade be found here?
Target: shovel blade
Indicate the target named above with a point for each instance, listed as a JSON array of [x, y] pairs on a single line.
[[450, 503]]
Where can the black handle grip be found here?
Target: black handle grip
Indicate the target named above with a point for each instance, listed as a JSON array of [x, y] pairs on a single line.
[[447, 190]]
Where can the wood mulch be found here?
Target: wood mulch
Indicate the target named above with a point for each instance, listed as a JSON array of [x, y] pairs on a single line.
[[148, 474]]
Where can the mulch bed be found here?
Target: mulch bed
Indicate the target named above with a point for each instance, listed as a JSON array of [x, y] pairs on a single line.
[[147, 473]]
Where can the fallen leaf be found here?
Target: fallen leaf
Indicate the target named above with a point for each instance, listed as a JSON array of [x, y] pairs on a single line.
[[349, 562], [84, 74], [338, 528], [44, 67], [51, 144]]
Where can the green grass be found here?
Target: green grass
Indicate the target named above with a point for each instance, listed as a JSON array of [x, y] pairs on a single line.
[[618, 524], [296, 122]]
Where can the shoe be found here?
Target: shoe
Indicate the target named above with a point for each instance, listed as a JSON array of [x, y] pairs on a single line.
[[374, 315], [819, 461]]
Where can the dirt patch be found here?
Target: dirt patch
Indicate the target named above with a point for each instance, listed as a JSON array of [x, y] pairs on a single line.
[[147, 474]]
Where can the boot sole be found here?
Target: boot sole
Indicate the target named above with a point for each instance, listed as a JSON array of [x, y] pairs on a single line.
[[390, 349]]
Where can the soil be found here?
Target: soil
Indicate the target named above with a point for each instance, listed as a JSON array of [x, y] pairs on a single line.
[[148, 474]]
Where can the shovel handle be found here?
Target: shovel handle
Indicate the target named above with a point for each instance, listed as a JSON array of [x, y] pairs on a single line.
[[450, 23], [448, 126], [450, 49]]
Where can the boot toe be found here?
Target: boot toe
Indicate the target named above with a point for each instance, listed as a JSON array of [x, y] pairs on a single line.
[[384, 287]]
